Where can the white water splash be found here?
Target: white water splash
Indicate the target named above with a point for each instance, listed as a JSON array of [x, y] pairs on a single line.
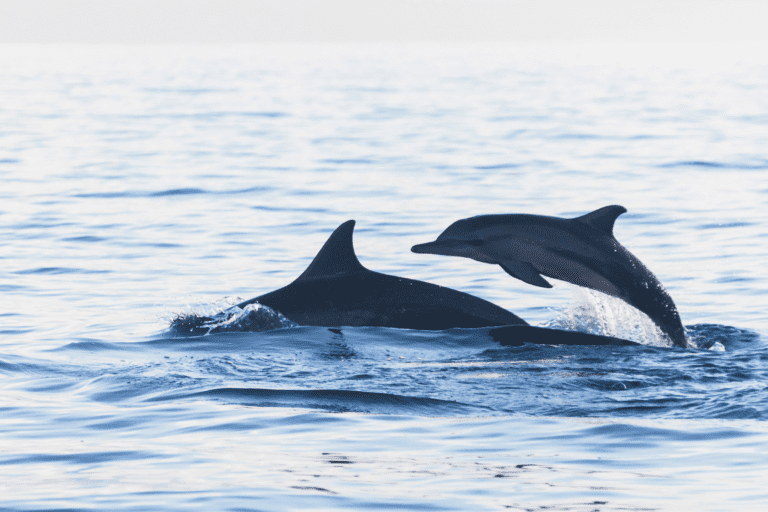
[[717, 347], [200, 308], [252, 318], [213, 318], [597, 313]]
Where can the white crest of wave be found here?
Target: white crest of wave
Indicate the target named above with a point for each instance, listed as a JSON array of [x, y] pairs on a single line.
[[200, 308], [594, 312], [252, 318], [224, 316]]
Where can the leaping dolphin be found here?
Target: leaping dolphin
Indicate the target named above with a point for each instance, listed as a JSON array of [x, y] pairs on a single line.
[[582, 251], [336, 290]]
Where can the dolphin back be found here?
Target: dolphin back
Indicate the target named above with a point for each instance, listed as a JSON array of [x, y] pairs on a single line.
[[337, 290]]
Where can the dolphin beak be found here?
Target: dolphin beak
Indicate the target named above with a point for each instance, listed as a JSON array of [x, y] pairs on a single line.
[[437, 247]]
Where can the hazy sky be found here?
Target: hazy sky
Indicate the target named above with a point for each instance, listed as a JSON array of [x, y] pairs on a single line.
[[220, 21]]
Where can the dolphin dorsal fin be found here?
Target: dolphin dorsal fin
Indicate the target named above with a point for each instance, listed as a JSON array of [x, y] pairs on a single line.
[[603, 219], [336, 257]]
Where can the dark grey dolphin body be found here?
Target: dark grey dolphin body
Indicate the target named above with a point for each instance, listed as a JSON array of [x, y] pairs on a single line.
[[582, 251], [336, 290]]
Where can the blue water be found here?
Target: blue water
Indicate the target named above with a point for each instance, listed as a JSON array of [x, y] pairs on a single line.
[[141, 184]]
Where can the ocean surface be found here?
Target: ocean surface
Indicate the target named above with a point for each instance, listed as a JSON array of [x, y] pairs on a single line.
[[141, 186]]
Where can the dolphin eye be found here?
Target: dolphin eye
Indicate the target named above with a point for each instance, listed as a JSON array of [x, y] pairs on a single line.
[[476, 243]]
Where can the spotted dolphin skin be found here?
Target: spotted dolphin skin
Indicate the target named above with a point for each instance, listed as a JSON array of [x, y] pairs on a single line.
[[582, 251], [337, 290]]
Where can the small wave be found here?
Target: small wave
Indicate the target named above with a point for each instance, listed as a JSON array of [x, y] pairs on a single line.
[[9, 367], [167, 193], [108, 195], [81, 458], [725, 225], [336, 400], [41, 225], [289, 209], [734, 279], [705, 336], [693, 163], [59, 270], [497, 167], [11, 332], [252, 318], [84, 239], [342, 161], [628, 433], [97, 346], [160, 245], [178, 192], [714, 165], [12, 287]]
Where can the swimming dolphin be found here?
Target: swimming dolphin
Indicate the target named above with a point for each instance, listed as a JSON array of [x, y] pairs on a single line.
[[336, 290], [582, 251]]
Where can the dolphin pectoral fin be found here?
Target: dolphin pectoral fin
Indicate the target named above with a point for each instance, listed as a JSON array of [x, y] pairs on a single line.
[[525, 272]]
